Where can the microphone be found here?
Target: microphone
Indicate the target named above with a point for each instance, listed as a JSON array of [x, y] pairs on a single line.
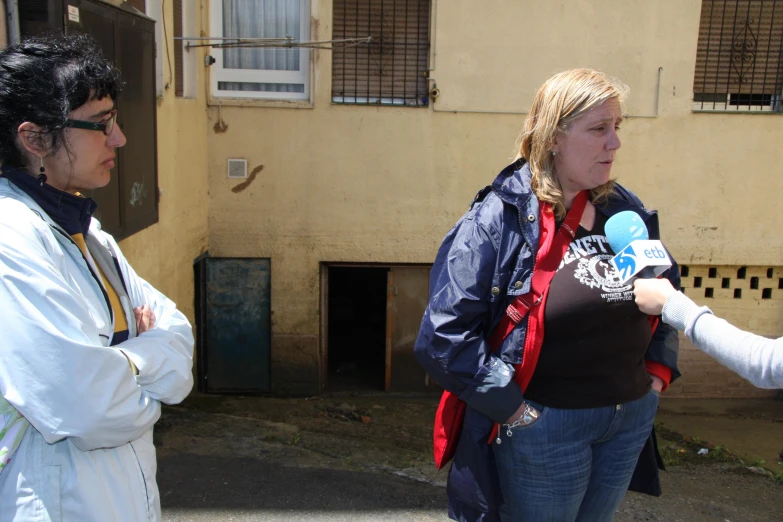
[[636, 254]]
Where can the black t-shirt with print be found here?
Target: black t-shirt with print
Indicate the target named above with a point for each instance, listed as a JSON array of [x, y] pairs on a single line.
[[595, 337]]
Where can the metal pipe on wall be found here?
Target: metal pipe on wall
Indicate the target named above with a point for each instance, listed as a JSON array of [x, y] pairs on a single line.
[[12, 21]]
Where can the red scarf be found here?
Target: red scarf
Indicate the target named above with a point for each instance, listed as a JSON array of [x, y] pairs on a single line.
[[547, 263]]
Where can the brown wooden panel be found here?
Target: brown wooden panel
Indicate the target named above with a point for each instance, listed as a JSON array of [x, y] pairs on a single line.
[[137, 160], [409, 299], [100, 25], [141, 5]]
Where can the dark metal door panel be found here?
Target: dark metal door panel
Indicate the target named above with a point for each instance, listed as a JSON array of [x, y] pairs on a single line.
[[408, 300], [237, 326], [137, 160]]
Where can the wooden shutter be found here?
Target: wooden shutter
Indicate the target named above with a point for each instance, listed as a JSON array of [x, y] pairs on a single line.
[[139, 4], [740, 46], [129, 202], [392, 67], [179, 45]]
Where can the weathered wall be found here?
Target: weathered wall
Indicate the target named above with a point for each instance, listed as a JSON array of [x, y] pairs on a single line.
[[382, 184], [163, 254]]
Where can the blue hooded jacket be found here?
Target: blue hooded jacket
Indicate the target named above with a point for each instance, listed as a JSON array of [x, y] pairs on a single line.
[[485, 261]]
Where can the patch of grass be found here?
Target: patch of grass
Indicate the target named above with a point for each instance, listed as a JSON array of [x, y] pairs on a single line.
[[778, 476], [677, 449], [671, 455], [753, 463], [722, 454]]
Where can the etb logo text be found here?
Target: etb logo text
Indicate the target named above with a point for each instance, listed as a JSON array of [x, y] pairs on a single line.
[[640, 255]]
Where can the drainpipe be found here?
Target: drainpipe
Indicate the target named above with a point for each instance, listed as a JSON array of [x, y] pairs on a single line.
[[12, 21]]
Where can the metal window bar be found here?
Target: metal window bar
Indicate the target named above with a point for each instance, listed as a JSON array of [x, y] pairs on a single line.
[[776, 104], [747, 74], [758, 32], [769, 41], [707, 57], [731, 53], [392, 69]]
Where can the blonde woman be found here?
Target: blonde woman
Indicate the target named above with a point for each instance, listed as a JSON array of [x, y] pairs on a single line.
[[572, 390]]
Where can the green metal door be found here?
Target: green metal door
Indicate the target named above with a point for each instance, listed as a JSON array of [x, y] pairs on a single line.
[[234, 325]]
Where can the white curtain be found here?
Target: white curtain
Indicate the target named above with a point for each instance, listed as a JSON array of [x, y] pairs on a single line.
[[261, 19]]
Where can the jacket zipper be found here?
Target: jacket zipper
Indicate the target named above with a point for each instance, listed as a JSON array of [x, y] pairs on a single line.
[[94, 275]]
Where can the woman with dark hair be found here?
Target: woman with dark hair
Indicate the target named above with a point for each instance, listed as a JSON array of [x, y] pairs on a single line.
[[89, 350]]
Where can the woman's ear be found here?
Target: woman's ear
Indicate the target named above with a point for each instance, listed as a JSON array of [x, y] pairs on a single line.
[[32, 139]]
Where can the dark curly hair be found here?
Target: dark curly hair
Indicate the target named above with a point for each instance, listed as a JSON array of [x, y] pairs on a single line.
[[43, 79]]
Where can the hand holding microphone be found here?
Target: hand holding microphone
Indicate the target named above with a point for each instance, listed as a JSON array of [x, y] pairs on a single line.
[[651, 294]]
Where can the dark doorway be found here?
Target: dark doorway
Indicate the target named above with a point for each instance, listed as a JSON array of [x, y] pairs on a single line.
[[356, 328]]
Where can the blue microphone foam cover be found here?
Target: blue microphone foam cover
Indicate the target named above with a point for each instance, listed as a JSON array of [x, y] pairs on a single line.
[[623, 228]]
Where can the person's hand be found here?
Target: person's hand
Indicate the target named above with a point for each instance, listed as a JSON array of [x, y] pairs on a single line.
[[145, 318], [651, 294], [657, 383]]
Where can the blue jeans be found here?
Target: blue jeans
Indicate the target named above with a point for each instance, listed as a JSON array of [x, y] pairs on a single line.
[[572, 465]]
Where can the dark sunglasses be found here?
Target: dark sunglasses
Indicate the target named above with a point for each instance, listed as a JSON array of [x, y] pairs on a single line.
[[106, 125]]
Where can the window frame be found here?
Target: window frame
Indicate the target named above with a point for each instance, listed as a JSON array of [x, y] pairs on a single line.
[[218, 73], [185, 77]]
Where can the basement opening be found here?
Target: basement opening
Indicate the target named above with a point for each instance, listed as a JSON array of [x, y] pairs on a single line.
[[356, 328]]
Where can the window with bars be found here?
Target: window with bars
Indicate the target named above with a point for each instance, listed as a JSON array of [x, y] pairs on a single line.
[[739, 59], [392, 68]]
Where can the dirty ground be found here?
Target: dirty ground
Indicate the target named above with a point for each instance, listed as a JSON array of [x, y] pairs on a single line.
[[368, 457]]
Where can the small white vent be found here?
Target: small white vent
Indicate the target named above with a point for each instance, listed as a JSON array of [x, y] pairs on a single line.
[[237, 168]]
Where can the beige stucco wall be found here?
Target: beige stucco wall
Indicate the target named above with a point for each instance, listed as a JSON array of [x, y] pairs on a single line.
[[382, 184], [164, 253]]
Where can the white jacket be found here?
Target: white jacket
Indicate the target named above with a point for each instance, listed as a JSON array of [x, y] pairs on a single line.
[[87, 453]]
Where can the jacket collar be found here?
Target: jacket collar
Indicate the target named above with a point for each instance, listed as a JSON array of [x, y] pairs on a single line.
[[72, 213], [512, 186]]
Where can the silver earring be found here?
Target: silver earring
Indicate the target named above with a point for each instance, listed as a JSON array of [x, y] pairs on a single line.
[[554, 153]]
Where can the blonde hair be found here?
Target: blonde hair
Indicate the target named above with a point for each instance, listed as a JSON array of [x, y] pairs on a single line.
[[558, 103]]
